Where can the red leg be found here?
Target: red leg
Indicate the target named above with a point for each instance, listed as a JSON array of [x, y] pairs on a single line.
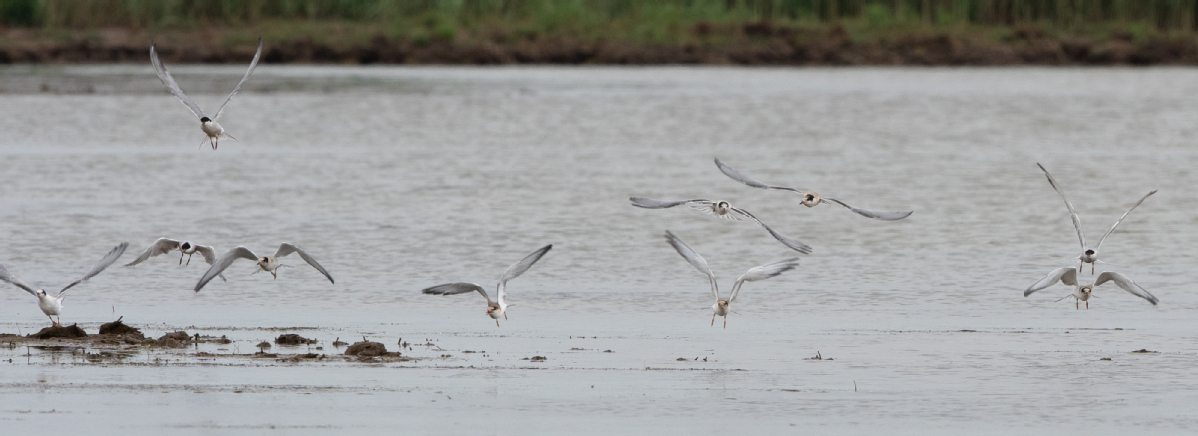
[[504, 316], [1087, 304], [188, 259], [274, 274], [1075, 305], [496, 323], [180, 258], [725, 321], [713, 320]]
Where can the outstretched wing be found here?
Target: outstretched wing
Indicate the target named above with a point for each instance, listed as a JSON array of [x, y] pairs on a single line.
[[209, 254], [253, 64], [165, 77], [1077, 221], [887, 216], [1067, 276], [108, 259], [1112, 230], [223, 263], [519, 268], [6, 276], [737, 176], [457, 288], [695, 260], [763, 272], [793, 244], [1125, 282], [161, 246], [286, 249], [649, 203]]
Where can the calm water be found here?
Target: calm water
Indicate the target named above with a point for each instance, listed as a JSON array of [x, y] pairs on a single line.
[[401, 178]]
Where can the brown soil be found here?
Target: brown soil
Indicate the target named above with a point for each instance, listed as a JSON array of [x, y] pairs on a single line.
[[366, 349], [174, 340], [119, 328], [293, 339], [71, 332]]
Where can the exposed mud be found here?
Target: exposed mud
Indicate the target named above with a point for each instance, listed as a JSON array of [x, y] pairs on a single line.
[[366, 349], [119, 328], [293, 339], [53, 332]]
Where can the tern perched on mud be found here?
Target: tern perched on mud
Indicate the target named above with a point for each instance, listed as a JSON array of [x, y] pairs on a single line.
[[1089, 255], [167, 245], [723, 210], [1068, 276], [213, 130], [270, 264], [498, 306], [721, 306], [810, 198], [52, 305]]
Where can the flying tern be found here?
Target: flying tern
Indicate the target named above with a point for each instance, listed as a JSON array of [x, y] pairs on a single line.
[[498, 306], [270, 264], [810, 198], [723, 210], [1068, 276], [1089, 255], [721, 306], [167, 245], [209, 125], [52, 305]]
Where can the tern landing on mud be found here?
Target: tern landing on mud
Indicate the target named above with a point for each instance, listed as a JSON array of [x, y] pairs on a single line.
[[810, 198], [1068, 276], [1089, 255], [498, 306], [270, 264], [51, 305], [213, 131], [723, 210], [721, 306]]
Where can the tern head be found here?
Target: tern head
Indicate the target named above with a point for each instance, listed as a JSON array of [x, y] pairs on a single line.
[[41, 293], [1085, 291], [205, 120], [722, 303], [810, 198], [1089, 252], [185, 246], [722, 207]]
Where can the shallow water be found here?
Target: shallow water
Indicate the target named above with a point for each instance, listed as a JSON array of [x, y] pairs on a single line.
[[401, 178]]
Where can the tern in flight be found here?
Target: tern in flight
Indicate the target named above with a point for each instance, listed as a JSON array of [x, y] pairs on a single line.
[[52, 305], [723, 210], [498, 306], [1068, 276], [721, 306], [810, 198], [213, 130], [1089, 255], [167, 245], [269, 264]]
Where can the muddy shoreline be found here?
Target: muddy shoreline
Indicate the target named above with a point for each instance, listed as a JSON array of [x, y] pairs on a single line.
[[751, 44]]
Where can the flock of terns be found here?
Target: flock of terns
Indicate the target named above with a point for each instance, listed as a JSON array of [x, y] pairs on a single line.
[[51, 305]]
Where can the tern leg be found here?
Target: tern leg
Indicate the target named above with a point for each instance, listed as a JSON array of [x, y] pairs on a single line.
[[713, 320], [52, 322], [274, 274], [188, 259], [496, 323], [1075, 304], [180, 257], [725, 321], [504, 316], [1087, 304]]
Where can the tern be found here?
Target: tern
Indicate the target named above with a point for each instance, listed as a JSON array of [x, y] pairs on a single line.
[[1089, 255], [213, 130], [498, 306], [269, 264], [52, 305], [722, 307], [723, 210], [810, 198], [1068, 276], [167, 245]]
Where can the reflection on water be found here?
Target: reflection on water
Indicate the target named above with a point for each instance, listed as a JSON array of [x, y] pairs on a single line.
[[396, 179]]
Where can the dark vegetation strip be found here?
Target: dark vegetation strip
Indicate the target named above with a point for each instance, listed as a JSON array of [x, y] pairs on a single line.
[[783, 32]]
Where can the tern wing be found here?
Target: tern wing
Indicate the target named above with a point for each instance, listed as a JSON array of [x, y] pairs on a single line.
[[6, 276], [1067, 276], [695, 260], [286, 249], [161, 246], [107, 260], [648, 203], [253, 64], [457, 288], [737, 176], [886, 216], [209, 254], [1077, 221], [793, 244], [165, 77], [1112, 230], [763, 272], [1125, 282], [223, 263], [519, 268]]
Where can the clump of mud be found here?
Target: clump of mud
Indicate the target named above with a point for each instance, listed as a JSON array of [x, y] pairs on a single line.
[[293, 339], [119, 328], [174, 340], [71, 332], [366, 349]]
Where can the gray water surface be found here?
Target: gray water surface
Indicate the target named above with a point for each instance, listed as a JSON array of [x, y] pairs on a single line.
[[400, 178]]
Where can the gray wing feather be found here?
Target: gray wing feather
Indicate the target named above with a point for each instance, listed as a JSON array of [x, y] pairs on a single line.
[[1067, 276], [161, 246], [1112, 230], [457, 288], [1125, 282], [737, 176], [165, 77], [1077, 221], [6, 276], [524, 264], [286, 249], [223, 263], [649, 203], [787, 241], [886, 216], [107, 260], [253, 64], [695, 260], [763, 272], [209, 254]]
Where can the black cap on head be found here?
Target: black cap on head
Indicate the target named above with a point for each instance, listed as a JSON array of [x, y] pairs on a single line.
[[186, 245], [205, 119], [1089, 252]]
